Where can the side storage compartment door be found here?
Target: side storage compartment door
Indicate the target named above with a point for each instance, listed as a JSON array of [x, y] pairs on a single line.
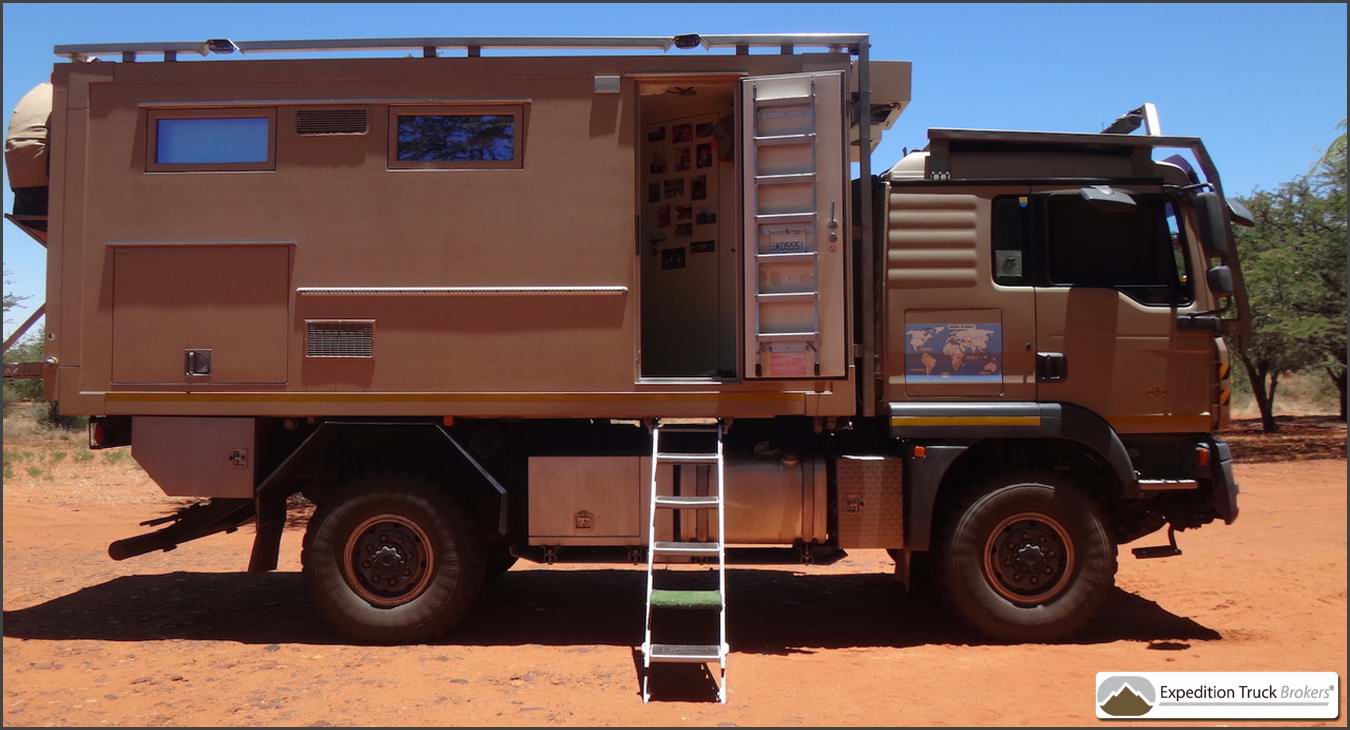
[[795, 203]]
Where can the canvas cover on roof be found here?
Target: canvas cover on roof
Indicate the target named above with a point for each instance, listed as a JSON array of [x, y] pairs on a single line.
[[26, 141]]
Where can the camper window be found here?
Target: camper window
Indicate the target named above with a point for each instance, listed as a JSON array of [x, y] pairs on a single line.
[[455, 137], [210, 139]]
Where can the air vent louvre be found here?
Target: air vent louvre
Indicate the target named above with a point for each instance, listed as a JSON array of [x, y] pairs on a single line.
[[331, 121], [340, 338]]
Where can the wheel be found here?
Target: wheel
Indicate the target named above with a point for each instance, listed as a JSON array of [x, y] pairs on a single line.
[[392, 560], [497, 562], [1025, 559]]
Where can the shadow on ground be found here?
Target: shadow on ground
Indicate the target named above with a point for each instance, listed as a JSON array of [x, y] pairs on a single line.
[[771, 612]]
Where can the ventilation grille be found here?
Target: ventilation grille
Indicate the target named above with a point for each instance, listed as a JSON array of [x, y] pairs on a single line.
[[331, 121], [340, 338]]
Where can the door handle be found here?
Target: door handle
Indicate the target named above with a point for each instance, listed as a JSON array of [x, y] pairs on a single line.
[[834, 223], [1051, 367]]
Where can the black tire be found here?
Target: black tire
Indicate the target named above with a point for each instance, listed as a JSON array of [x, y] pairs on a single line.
[[1001, 538], [424, 541], [498, 561]]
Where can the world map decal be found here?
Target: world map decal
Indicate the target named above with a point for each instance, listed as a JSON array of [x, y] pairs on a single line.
[[952, 352]]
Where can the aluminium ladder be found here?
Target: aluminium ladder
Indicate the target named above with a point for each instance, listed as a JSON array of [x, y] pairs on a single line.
[[697, 600], [783, 309]]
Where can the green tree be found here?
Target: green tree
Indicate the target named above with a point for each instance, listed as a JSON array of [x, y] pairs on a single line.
[[11, 300], [1294, 262], [1329, 179]]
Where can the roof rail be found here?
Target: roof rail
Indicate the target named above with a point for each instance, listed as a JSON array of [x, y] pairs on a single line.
[[786, 42]]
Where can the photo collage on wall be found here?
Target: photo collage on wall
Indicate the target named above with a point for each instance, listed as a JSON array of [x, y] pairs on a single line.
[[681, 190]]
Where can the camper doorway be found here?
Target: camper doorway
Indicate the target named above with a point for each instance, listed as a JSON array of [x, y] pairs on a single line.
[[689, 227]]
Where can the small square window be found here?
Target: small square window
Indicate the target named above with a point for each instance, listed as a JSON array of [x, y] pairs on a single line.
[[210, 139], [455, 138]]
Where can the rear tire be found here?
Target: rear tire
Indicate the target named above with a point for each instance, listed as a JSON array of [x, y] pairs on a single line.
[[1025, 559], [392, 560]]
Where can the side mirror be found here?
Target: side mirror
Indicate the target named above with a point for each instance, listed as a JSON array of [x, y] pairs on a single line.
[[1104, 198], [1220, 280], [1240, 215], [1213, 220]]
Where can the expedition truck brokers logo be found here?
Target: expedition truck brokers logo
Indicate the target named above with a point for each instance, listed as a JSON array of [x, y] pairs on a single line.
[[1124, 695], [1218, 695]]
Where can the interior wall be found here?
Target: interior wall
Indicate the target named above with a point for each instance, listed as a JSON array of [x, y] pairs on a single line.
[[689, 269]]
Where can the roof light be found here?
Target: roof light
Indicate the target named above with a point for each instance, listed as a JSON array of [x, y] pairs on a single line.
[[688, 40], [221, 45]]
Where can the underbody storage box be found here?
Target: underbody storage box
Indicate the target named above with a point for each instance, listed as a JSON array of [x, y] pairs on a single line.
[[871, 514], [189, 456]]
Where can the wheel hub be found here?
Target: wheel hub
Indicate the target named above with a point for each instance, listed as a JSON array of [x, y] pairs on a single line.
[[1029, 558], [388, 560]]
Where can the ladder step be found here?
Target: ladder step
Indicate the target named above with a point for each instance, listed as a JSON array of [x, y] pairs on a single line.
[[685, 548], [796, 177], [806, 216], [784, 101], [662, 598], [685, 653], [774, 139], [687, 502], [787, 335], [784, 258], [671, 458], [786, 296]]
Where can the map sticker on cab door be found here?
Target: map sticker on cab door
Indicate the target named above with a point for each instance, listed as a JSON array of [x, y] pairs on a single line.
[[954, 352]]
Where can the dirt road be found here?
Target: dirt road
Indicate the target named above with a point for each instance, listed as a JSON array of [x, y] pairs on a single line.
[[186, 638]]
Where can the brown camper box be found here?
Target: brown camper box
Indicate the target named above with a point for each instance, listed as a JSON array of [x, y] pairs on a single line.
[[630, 307]]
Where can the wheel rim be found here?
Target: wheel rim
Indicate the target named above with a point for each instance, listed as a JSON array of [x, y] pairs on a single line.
[[388, 560], [1029, 558]]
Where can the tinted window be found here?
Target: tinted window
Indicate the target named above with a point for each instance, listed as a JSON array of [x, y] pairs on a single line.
[[1134, 251], [456, 138], [1010, 236], [195, 141]]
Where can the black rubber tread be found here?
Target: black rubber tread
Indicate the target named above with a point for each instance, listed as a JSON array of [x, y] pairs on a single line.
[[957, 558], [458, 567]]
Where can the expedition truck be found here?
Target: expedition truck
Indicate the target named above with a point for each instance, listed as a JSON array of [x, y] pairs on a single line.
[[479, 304]]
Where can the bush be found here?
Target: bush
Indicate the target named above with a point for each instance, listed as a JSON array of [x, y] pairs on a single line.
[[49, 415]]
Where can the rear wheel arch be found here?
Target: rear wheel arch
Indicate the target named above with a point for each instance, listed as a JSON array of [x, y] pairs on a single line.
[[338, 459]]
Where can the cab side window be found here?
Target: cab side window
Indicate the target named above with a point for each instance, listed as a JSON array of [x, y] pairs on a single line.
[[1063, 240], [1132, 251], [1010, 235]]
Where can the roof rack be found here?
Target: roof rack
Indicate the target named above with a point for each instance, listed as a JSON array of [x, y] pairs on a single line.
[[473, 45]]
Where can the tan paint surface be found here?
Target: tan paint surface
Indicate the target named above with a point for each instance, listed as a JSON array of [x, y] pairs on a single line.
[[566, 218]]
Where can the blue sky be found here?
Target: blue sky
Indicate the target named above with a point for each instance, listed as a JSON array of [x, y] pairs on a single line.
[[1264, 85]]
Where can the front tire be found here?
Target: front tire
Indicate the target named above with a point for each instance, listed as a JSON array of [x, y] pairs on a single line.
[[1026, 558], [392, 560]]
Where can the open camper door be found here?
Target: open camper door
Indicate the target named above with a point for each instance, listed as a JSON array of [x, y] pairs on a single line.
[[795, 174]]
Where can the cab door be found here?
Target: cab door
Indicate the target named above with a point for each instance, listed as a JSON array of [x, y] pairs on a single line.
[[795, 206], [1111, 286]]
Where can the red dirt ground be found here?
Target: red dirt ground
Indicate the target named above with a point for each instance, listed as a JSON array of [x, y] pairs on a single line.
[[187, 638]]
